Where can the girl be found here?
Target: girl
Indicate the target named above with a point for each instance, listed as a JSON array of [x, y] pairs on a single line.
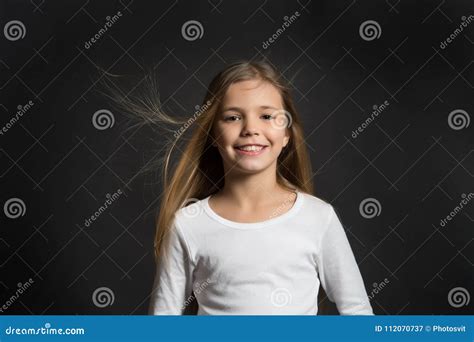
[[239, 229]]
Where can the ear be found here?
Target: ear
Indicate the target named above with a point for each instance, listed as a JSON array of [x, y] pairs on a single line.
[[286, 139]]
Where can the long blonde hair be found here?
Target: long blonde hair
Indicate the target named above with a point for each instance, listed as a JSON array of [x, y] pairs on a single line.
[[199, 172]]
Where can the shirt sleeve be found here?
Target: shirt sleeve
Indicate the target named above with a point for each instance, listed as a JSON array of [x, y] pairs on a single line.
[[339, 273], [172, 286]]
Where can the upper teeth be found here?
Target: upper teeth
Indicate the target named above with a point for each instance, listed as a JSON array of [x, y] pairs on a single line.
[[251, 148]]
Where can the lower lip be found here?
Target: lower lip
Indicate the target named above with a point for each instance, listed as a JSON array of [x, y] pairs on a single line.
[[251, 153]]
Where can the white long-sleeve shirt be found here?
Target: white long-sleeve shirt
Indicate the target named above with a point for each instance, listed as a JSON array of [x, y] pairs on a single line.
[[274, 267]]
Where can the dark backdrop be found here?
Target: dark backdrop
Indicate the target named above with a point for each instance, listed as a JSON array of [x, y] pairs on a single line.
[[413, 162]]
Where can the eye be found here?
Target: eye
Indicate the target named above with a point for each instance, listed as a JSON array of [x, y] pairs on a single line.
[[231, 118], [267, 116]]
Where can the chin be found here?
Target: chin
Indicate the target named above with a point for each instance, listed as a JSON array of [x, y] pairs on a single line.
[[251, 167]]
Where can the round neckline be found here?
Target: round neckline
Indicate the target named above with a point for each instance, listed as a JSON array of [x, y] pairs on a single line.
[[251, 225]]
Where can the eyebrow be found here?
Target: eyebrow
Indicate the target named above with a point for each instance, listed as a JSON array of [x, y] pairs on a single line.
[[238, 109]]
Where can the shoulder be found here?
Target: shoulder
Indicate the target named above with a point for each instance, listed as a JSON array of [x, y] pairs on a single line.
[[316, 205], [329, 225], [316, 209], [190, 214]]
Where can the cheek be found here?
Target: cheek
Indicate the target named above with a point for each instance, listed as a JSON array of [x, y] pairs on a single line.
[[276, 137], [226, 134]]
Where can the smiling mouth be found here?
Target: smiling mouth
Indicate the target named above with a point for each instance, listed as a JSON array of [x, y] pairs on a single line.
[[251, 150]]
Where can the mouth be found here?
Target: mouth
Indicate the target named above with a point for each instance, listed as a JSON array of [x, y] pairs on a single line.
[[251, 150]]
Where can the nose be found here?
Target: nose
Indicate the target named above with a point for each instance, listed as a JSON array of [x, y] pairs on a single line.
[[250, 127]]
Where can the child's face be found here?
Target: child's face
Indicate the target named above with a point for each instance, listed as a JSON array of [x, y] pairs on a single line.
[[251, 115]]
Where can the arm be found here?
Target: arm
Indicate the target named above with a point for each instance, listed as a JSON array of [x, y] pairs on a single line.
[[339, 273], [172, 286]]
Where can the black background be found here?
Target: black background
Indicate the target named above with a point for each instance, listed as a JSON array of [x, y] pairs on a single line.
[[409, 158]]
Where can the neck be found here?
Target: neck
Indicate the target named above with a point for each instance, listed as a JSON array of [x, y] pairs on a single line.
[[247, 189]]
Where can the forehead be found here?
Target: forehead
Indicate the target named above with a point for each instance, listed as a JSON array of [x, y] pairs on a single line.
[[252, 93]]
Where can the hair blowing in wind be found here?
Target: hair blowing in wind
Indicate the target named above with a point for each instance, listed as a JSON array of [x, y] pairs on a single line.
[[199, 170]]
